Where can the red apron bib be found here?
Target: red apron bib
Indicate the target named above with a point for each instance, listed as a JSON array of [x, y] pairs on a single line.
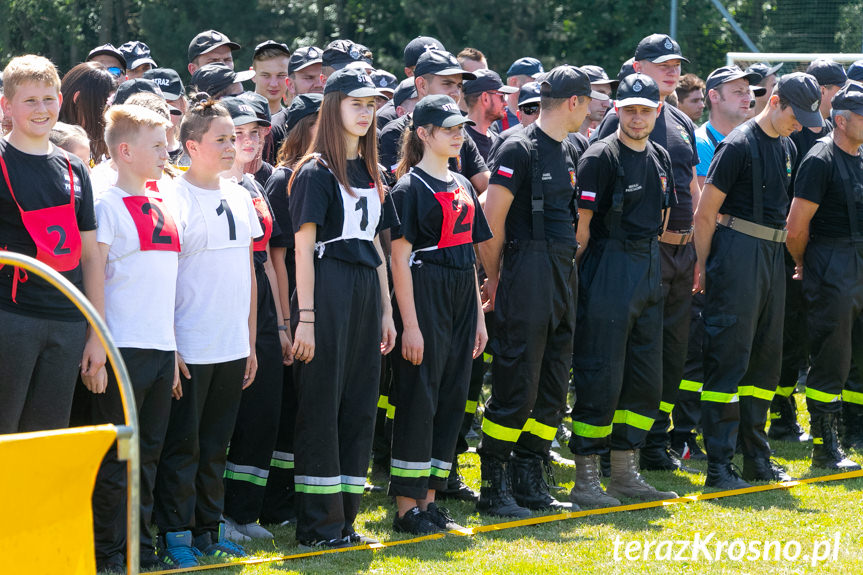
[[53, 230], [157, 230], [266, 219]]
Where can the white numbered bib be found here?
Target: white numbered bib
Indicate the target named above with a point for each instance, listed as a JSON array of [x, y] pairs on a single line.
[[362, 212], [226, 217]]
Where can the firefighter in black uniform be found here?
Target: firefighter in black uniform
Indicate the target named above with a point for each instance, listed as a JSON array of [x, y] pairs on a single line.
[[624, 181], [741, 261], [531, 286], [824, 238]]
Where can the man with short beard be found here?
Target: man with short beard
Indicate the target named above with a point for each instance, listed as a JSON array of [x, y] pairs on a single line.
[[485, 98]]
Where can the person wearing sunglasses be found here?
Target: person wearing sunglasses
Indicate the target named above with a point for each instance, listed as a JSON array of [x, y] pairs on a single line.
[[485, 98], [528, 112], [111, 58]]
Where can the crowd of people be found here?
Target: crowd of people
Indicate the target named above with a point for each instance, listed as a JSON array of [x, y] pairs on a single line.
[[315, 275]]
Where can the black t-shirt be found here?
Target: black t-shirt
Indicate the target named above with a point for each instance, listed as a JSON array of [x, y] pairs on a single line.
[[257, 191], [483, 142], [386, 114], [279, 131], [501, 138], [440, 217], [731, 172], [648, 174], [818, 180], [468, 163], [40, 182], [675, 132], [512, 169], [580, 142], [277, 193], [316, 198], [803, 141], [264, 172]]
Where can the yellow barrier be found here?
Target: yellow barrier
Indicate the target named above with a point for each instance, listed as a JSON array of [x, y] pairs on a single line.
[[46, 484]]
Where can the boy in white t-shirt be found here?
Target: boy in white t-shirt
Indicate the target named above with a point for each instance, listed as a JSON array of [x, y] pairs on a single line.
[[139, 243]]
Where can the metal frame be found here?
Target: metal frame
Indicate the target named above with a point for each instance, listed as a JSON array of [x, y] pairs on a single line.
[[731, 57], [127, 435]]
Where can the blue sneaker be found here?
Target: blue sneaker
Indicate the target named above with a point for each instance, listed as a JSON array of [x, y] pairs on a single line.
[[175, 549], [224, 547]]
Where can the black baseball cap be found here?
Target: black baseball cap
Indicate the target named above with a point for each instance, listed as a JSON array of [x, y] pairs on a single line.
[[758, 91], [658, 48], [567, 81], [407, 89], [258, 103], [340, 53], [417, 47], [136, 54], [597, 75], [168, 81], [626, 69], [525, 66], [107, 50], [215, 77], [729, 74], [302, 106], [827, 72], [440, 63], [802, 92], [386, 82], [529, 93], [304, 57], [487, 81], [207, 41], [439, 111], [855, 71], [850, 97], [763, 69], [242, 112], [135, 86], [351, 82], [271, 45], [638, 90]]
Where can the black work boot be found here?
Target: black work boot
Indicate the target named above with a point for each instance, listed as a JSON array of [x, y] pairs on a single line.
[[763, 469], [456, 488], [783, 421], [659, 459], [826, 452], [852, 426], [495, 494], [529, 486], [724, 476]]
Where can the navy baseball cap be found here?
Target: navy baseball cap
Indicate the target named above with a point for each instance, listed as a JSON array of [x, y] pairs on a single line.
[[626, 69], [213, 78], [304, 57], [850, 98], [271, 45], [597, 75], [351, 82], [340, 53], [107, 50], [729, 74], [302, 106], [136, 54], [855, 71], [529, 93], [638, 90], [658, 48], [207, 41], [487, 81], [417, 47], [135, 86], [242, 112], [801, 90], [763, 69], [827, 72], [567, 81], [168, 81], [407, 89], [440, 111], [440, 63], [525, 66], [386, 82]]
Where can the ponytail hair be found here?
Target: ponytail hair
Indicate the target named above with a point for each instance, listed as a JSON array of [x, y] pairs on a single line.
[[197, 120], [411, 148]]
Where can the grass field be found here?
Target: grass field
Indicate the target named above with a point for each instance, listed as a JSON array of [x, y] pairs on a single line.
[[804, 514]]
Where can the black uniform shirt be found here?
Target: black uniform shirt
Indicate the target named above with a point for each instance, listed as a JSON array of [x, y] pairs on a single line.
[[386, 114], [433, 217], [40, 182], [316, 198], [818, 181], [468, 163], [511, 168], [279, 130], [483, 142], [277, 193], [803, 141], [257, 191], [646, 180], [731, 172], [675, 132]]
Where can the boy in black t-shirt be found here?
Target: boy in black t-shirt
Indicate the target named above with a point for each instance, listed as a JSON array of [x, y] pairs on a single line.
[[742, 260], [46, 211]]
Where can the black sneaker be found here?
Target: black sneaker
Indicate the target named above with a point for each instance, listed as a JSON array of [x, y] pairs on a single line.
[[458, 490], [415, 522], [151, 562], [764, 469], [324, 544], [724, 476], [356, 539], [116, 563], [440, 516]]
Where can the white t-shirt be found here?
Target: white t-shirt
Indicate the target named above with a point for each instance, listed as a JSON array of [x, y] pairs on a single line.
[[215, 276], [144, 235], [104, 176]]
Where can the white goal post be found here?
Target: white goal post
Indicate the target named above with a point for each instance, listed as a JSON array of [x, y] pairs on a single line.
[[732, 58]]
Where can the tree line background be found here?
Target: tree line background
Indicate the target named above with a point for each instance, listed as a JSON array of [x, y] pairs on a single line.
[[602, 32]]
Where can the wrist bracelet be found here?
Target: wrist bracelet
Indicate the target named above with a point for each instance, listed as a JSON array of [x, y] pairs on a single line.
[[283, 328], [307, 321], [311, 309]]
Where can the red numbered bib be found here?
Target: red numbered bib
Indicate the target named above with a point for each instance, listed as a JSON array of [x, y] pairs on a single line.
[[266, 219], [457, 208], [157, 230]]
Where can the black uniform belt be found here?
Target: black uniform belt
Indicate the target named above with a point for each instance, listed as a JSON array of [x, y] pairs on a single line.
[[548, 246], [752, 229], [676, 238]]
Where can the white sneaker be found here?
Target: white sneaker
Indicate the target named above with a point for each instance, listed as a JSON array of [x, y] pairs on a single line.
[[234, 532], [254, 531]]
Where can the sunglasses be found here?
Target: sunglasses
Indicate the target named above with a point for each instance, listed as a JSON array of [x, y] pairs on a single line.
[[529, 109], [115, 71]]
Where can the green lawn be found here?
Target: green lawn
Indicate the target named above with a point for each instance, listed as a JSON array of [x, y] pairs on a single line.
[[587, 545]]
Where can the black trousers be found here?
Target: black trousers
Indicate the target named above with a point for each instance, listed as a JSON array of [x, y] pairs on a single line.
[[152, 375], [795, 348], [678, 268], [431, 396], [743, 316], [190, 491], [833, 287], [618, 363], [336, 399], [534, 319], [248, 466], [686, 415]]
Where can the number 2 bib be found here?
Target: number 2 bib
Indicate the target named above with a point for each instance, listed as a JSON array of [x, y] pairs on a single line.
[[157, 230], [457, 208]]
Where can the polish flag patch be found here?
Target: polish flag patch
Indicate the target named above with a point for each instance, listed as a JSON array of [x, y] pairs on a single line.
[[588, 196], [504, 171]]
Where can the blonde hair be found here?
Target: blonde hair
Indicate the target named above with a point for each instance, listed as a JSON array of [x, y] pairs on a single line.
[[123, 122], [29, 68], [151, 102], [63, 135]]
